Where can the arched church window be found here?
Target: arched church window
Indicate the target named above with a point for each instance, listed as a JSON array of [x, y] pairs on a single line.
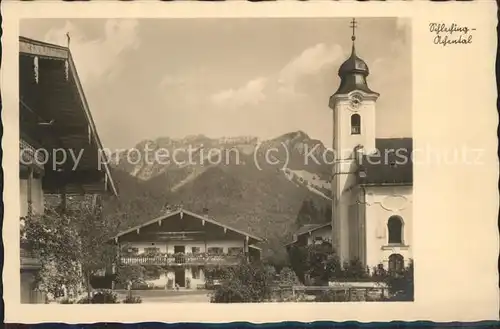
[[355, 124], [396, 263], [395, 228]]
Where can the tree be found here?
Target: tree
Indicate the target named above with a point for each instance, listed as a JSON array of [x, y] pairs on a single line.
[[317, 261], [304, 215], [297, 256], [245, 283], [51, 239], [72, 245], [129, 275], [287, 277], [94, 230], [327, 213], [321, 262]]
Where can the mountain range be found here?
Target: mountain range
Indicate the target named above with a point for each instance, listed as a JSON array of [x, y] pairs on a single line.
[[266, 188]]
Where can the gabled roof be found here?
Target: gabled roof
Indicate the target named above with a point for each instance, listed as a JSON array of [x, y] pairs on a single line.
[[310, 228], [54, 113], [393, 165], [306, 229], [192, 214]]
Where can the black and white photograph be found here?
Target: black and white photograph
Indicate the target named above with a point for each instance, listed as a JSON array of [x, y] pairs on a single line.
[[238, 160], [249, 163]]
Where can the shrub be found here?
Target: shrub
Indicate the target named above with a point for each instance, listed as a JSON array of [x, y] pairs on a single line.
[[244, 283], [66, 301], [101, 297], [105, 297], [132, 300], [84, 300], [354, 270], [401, 285], [287, 277], [333, 296]]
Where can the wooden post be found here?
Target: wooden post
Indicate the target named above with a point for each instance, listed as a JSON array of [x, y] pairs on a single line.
[[30, 191], [63, 201], [245, 247]]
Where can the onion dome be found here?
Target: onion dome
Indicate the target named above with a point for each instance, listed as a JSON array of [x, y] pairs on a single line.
[[353, 72]]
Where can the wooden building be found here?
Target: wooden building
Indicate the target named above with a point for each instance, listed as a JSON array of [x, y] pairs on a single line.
[[54, 118], [184, 244]]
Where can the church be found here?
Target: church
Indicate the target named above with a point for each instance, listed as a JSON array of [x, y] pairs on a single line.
[[372, 178]]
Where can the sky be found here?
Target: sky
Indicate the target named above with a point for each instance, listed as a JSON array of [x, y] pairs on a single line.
[[263, 77]]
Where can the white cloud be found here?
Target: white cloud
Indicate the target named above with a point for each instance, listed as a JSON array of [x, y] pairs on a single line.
[[310, 62], [98, 58], [250, 94]]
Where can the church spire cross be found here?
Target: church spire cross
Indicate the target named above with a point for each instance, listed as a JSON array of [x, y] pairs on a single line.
[[354, 25]]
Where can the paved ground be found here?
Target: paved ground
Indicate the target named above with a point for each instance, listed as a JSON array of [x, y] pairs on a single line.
[[169, 296]]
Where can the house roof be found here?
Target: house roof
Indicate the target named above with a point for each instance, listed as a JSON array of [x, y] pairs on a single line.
[[54, 113], [391, 165], [253, 238], [308, 228]]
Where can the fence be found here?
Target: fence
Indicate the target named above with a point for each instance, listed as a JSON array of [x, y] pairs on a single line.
[[36, 297], [332, 293], [181, 259]]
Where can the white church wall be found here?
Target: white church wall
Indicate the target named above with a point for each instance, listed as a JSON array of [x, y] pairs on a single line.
[[381, 204], [344, 140]]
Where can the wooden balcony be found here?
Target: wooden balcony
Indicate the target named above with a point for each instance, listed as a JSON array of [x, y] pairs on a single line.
[[181, 259], [29, 155]]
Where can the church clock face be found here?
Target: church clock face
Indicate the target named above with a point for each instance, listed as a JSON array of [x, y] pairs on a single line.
[[355, 102]]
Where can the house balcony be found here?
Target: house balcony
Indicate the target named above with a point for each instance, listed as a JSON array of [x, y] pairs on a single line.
[[30, 155], [181, 259]]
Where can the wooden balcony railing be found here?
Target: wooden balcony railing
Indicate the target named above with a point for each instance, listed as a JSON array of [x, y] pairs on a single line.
[[28, 155], [180, 259]]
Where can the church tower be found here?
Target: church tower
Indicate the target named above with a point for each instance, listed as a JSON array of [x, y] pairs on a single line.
[[353, 106]]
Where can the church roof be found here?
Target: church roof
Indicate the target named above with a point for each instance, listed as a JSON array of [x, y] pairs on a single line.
[[391, 165], [353, 64], [353, 73]]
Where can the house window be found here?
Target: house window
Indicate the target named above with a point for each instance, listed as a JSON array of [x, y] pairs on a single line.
[[215, 251], [151, 250], [318, 240], [195, 250], [355, 124], [396, 263], [395, 228], [235, 251]]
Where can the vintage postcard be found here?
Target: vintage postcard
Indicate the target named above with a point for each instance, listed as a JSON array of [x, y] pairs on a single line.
[[219, 162]]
